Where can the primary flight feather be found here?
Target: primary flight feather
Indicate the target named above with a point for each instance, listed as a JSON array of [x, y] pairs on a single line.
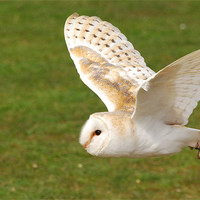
[[147, 110]]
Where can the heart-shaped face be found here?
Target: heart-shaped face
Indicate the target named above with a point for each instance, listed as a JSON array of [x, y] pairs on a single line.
[[106, 134]]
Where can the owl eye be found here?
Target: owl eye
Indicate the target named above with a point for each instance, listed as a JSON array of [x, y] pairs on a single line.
[[97, 132]]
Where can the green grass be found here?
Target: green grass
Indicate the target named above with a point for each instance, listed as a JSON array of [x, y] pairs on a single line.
[[43, 103]]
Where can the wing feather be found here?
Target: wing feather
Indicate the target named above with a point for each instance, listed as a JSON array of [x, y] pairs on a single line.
[[107, 63], [172, 93]]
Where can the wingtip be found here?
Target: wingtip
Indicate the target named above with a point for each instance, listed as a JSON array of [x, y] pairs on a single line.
[[73, 16]]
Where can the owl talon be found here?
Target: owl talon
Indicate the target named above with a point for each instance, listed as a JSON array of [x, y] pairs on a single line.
[[197, 147]]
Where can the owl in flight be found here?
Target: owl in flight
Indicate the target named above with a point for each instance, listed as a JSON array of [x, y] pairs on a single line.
[[147, 111]]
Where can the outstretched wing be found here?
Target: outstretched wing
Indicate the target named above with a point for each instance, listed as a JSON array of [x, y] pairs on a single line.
[[172, 93], [107, 63]]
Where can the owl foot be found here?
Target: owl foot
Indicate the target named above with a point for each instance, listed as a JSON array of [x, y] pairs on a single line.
[[198, 148]]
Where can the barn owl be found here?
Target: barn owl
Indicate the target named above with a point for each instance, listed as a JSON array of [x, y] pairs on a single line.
[[147, 111]]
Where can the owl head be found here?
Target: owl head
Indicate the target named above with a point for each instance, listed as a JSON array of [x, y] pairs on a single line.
[[105, 134]]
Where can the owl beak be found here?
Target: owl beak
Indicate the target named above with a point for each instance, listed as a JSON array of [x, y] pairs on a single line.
[[85, 145], [88, 142]]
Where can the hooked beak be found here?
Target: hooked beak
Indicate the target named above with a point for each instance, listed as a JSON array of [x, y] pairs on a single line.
[[85, 145], [88, 142]]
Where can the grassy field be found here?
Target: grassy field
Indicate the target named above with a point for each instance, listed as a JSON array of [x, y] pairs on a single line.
[[43, 103]]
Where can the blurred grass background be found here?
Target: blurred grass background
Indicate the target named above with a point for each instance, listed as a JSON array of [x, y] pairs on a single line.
[[43, 103]]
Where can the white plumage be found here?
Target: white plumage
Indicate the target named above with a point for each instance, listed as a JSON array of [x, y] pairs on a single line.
[[147, 110]]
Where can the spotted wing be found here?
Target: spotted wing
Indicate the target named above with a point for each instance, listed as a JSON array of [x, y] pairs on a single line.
[[107, 63], [172, 93]]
